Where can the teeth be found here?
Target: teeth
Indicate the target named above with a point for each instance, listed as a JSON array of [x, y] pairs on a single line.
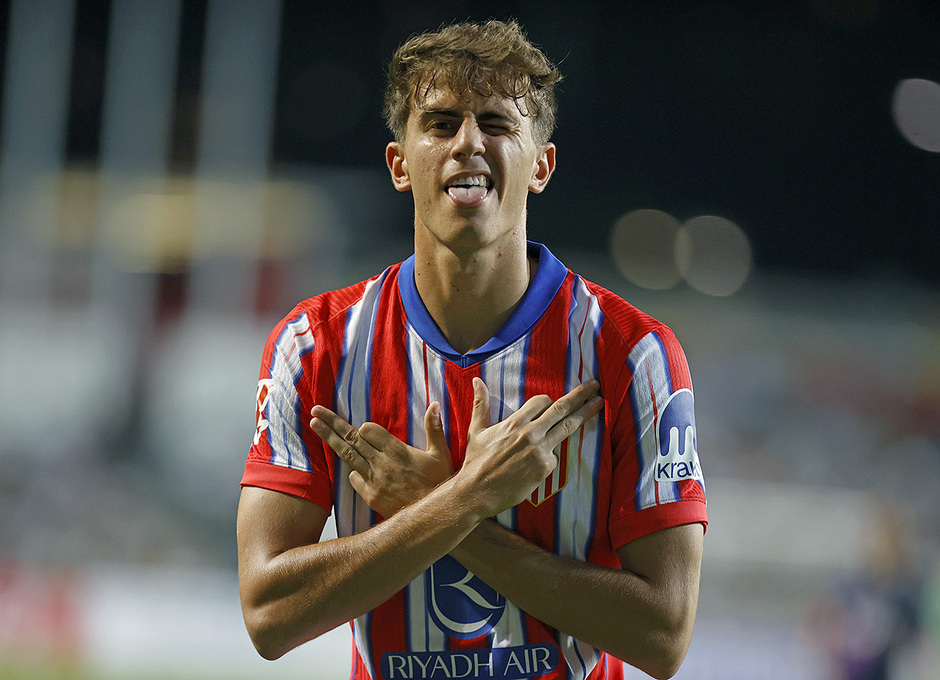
[[477, 181]]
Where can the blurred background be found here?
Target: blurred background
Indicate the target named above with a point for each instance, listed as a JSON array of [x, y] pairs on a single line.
[[175, 175]]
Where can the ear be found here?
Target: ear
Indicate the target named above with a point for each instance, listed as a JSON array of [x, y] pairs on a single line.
[[397, 166], [544, 167]]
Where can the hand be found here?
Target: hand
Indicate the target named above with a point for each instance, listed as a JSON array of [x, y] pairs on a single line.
[[386, 472], [512, 457]]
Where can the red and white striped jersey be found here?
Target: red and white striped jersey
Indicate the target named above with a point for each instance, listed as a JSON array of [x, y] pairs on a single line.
[[372, 352]]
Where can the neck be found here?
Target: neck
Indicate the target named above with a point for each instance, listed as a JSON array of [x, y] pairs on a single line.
[[470, 296]]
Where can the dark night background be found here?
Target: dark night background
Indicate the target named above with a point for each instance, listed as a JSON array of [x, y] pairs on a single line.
[[776, 115]]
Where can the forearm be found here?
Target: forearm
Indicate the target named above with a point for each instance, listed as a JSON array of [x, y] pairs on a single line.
[[628, 615], [293, 596], [502, 465]]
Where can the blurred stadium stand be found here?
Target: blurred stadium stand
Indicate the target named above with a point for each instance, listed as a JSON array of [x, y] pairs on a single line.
[[175, 175]]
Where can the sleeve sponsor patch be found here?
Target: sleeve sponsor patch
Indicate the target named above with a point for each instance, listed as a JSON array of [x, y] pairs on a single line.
[[261, 405], [675, 432]]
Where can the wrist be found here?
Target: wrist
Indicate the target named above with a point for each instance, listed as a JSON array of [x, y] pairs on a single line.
[[470, 495]]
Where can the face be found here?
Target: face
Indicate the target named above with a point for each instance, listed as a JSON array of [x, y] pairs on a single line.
[[470, 165]]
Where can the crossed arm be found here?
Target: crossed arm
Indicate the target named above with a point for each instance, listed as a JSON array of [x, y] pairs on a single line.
[[295, 588]]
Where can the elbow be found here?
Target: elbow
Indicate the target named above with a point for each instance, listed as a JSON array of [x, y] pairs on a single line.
[[666, 649], [670, 637], [265, 619], [269, 651], [264, 634], [270, 630], [665, 668], [274, 630], [664, 660]]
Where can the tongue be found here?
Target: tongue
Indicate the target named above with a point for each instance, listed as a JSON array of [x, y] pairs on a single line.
[[470, 195]]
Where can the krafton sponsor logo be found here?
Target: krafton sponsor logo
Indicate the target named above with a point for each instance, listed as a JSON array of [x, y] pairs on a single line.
[[675, 431]]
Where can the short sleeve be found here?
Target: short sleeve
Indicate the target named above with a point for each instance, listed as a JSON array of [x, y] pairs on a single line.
[[285, 455], [657, 475]]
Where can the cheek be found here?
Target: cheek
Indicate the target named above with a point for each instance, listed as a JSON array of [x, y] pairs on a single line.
[[423, 202], [423, 187], [423, 168], [521, 179], [424, 193]]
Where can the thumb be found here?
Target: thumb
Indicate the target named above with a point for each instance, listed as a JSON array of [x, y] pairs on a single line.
[[480, 417], [434, 427]]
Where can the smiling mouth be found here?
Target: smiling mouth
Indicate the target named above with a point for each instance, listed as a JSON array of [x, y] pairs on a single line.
[[469, 192]]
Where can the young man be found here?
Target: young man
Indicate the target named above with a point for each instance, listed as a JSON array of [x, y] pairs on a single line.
[[508, 449]]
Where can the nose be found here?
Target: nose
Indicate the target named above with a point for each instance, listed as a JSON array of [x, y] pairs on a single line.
[[469, 139]]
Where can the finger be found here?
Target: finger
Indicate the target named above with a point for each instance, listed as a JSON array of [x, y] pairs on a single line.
[[569, 425], [377, 437], [357, 482], [533, 408], [480, 416], [346, 431], [434, 427], [345, 442], [332, 420], [583, 392], [565, 406]]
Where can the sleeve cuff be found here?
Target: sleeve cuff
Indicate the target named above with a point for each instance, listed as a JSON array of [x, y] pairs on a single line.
[[636, 525], [298, 483]]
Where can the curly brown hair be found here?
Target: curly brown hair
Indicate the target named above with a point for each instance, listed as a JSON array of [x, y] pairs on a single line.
[[493, 58]]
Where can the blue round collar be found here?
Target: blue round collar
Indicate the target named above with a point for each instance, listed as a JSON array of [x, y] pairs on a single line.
[[549, 276]]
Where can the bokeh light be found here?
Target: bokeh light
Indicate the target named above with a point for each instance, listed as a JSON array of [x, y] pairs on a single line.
[[916, 109], [713, 254], [642, 244]]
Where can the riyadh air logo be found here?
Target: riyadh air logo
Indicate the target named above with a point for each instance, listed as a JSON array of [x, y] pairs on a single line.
[[460, 604], [678, 458], [261, 403]]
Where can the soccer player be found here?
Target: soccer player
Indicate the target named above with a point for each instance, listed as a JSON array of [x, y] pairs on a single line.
[[508, 449]]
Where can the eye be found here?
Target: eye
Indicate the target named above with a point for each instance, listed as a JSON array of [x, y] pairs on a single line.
[[495, 128], [441, 125], [497, 124]]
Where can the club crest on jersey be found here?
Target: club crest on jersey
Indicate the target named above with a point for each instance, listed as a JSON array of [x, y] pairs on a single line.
[[675, 432], [261, 403], [556, 481], [460, 604]]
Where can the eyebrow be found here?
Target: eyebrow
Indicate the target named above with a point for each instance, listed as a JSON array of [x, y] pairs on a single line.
[[497, 116], [489, 115]]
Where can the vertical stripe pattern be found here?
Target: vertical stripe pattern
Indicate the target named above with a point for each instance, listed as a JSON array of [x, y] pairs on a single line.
[[649, 390], [283, 409], [426, 385], [353, 515], [575, 510], [389, 368], [504, 375]]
